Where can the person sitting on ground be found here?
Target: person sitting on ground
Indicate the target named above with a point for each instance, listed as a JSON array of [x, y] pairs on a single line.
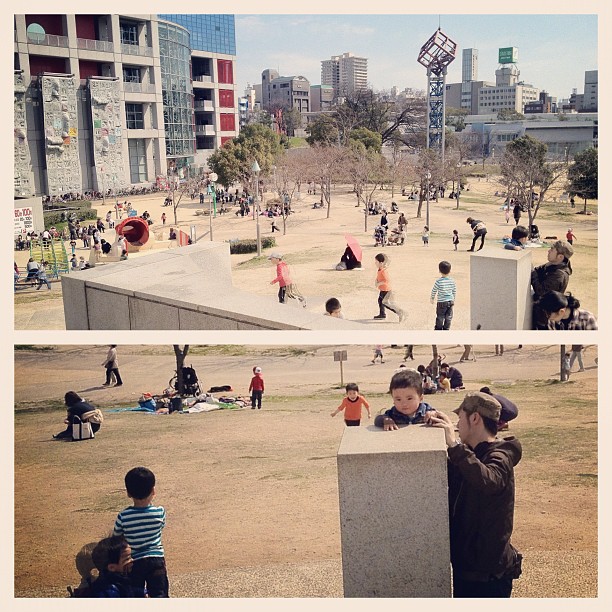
[[429, 386], [406, 389], [454, 375], [76, 406], [172, 235], [113, 560], [520, 234], [333, 308], [349, 260], [443, 382], [564, 312], [509, 410]]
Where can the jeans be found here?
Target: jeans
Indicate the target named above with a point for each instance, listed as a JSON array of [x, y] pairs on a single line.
[[444, 315], [576, 355], [256, 398], [115, 371], [152, 571], [479, 234]]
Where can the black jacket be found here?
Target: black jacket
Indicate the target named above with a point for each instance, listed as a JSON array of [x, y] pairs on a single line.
[[550, 278], [481, 507]]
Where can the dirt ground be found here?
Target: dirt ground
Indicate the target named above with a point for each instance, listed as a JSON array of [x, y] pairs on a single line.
[[314, 243], [251, 495]]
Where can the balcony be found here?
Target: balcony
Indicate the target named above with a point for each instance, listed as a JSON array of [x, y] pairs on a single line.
[[204, 105], [51, 40], [146, 88], [136, 50], [95, 45], [203, 78], [205, 130]]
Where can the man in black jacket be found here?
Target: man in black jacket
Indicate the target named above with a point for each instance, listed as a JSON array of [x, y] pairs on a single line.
[[551, 276], [481, 498]]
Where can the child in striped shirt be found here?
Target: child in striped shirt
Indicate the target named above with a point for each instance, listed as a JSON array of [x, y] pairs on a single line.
[[446, 289], [141, 525]]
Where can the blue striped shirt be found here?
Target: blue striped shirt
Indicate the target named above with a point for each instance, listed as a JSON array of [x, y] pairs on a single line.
[[446, 289], [142, 529]]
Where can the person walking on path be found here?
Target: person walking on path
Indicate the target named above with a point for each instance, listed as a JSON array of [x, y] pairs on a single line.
[[383, 284], [516, 213], [286, 287], [570, 236], [41, 275], [577, 354], [112, 366], [480, 231], [163, 218]]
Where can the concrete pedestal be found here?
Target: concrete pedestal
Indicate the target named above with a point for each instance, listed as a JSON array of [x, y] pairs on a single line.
[[500, 289], [394, 512]]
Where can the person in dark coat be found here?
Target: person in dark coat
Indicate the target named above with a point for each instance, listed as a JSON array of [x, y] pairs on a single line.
[[113, 560], [481, 498], [76, 406], [348, 257]]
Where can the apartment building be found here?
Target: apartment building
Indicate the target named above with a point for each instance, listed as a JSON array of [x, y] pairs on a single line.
[[107, 101], [346, 73]]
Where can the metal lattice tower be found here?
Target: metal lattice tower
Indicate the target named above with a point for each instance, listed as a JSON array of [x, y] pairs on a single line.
[[436, 54]]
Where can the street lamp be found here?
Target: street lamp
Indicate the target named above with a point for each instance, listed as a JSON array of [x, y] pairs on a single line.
[[213, 201], [427, 178], [256, 169], [458, 182]]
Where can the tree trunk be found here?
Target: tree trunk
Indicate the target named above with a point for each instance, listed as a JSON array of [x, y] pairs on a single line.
[[328, 196], [180, 362], [562, 375], [585, 210]]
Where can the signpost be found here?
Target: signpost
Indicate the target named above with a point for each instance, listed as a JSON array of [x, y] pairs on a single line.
[[340, 356]]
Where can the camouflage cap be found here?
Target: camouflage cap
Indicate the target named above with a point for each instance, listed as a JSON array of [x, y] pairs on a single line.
[[563, 247], [485, 405]]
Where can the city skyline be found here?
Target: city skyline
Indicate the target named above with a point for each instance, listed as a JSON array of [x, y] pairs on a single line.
[[262, 43]]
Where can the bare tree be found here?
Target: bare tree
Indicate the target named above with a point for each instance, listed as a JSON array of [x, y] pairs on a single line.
[[324, 165]]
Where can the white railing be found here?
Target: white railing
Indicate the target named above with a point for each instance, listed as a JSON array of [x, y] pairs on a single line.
[[206, 105], [95, 45], [138, 88], [51, 40], [205, 130], [203, 78], [136, 50]]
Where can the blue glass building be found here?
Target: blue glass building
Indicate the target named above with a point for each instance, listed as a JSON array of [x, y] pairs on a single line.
[[212, 33]]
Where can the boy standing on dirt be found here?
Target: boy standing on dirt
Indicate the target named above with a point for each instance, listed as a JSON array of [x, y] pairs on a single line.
[[141, 525], [351, 405], [446, 289], [256, 388]]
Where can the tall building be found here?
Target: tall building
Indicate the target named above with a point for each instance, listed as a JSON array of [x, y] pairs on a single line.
[[107, 101], [346, 73], [284, 92], [213, 66], [469, 65]]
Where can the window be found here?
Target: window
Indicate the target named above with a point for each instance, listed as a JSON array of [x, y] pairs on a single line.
[[227, 122], [225, 71], [226, 98], [129, 33], [138, 160], [134, 116], [131, 74]]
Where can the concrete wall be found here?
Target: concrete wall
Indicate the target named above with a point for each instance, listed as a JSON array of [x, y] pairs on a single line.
[[500, 289], [393, 490], [183, 288]]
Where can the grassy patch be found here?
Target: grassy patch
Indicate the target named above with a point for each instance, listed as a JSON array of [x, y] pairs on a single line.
[[35, 348]]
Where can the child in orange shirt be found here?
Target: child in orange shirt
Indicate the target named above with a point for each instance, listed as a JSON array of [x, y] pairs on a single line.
[[351, 405], [383, 285]]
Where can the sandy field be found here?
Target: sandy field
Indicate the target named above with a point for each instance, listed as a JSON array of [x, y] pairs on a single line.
[[252, 495], [313, 244]]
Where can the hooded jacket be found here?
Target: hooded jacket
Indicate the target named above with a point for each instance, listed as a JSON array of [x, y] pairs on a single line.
[[481, 508]]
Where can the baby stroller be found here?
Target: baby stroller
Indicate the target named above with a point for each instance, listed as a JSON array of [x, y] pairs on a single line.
[[191, 385], [380, 235]]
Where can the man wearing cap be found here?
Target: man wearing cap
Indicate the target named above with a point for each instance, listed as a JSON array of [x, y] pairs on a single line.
[[481, 498], [551, 276], [509, 410]]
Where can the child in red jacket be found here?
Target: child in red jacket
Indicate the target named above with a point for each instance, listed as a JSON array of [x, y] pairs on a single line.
[[256, 388]]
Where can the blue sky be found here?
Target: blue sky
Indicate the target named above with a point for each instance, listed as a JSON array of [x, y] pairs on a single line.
[[554, 50]]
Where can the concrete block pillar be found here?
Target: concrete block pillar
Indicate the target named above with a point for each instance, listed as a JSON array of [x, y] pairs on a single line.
[[500, 289], [393, 492]]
